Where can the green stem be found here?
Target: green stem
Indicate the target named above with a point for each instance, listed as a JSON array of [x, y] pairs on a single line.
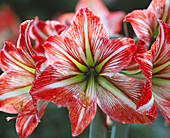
[[97, 129], [119, 130]]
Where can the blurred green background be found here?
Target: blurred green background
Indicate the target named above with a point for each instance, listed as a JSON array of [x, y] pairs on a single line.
[[55, 122]]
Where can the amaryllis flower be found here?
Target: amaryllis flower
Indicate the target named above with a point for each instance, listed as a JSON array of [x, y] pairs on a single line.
[[112, 20], [19, 69], [83, 74], [155, 65], [9, 25], [40, 31], [145, 25]]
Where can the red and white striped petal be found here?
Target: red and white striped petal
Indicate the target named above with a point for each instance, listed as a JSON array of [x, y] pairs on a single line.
[[144, 24], [24, 43], [118, 97], [64, 54], [161, 48], [87, 31], [144, 61], [26, 124], [81, 116], [161, 9], [13, 58], [146, 103], [57, 87], [133, 66], [163, 73], [161, 95], [40, 31], [114, 55], [14, 87]]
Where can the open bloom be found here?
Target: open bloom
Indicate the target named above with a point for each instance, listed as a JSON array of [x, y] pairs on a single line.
[[19, 65], [40, 31], [145, 25], [155, 65], [9, 25], [83, 74], [112, 20]]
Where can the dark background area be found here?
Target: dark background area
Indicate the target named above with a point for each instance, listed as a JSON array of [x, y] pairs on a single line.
[[55, 122], [46, 9]]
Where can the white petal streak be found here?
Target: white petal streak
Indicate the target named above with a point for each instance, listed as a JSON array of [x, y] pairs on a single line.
[[15, 93], [39, 31], [147, 106], [19, 63], [166, 10], [80, 118], [161, 44], [109, 87], [143, 23], [146, 61], [26, 123]]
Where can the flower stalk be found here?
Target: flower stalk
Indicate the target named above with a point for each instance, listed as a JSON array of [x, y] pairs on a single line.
[[97, 129], [119, 130]]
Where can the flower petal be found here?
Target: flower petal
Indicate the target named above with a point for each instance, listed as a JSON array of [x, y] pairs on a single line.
[[118, 96], [70, 54], [40, 31], [81, 116], [144, 61], [24, 42], [57, 87], [161, 9], [26, 124], [146, 103], [115, 55], [144, 24], [13, 58], [14, 87], [161, 48], [87, 31], [162, 98]]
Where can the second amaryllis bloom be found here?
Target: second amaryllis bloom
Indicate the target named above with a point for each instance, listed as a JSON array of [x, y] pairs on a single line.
[[155, 65], [20, 65], [83, 74]]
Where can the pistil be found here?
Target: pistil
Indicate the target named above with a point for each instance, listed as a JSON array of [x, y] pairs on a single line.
[[91, 89]]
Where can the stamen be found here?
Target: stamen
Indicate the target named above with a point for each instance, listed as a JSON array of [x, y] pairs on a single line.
[[22, 111], [84, 100]]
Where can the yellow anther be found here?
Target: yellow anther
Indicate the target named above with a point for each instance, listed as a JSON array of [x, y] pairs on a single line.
[[54, 97], [18, 109], [84, 99], [21, 103]]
